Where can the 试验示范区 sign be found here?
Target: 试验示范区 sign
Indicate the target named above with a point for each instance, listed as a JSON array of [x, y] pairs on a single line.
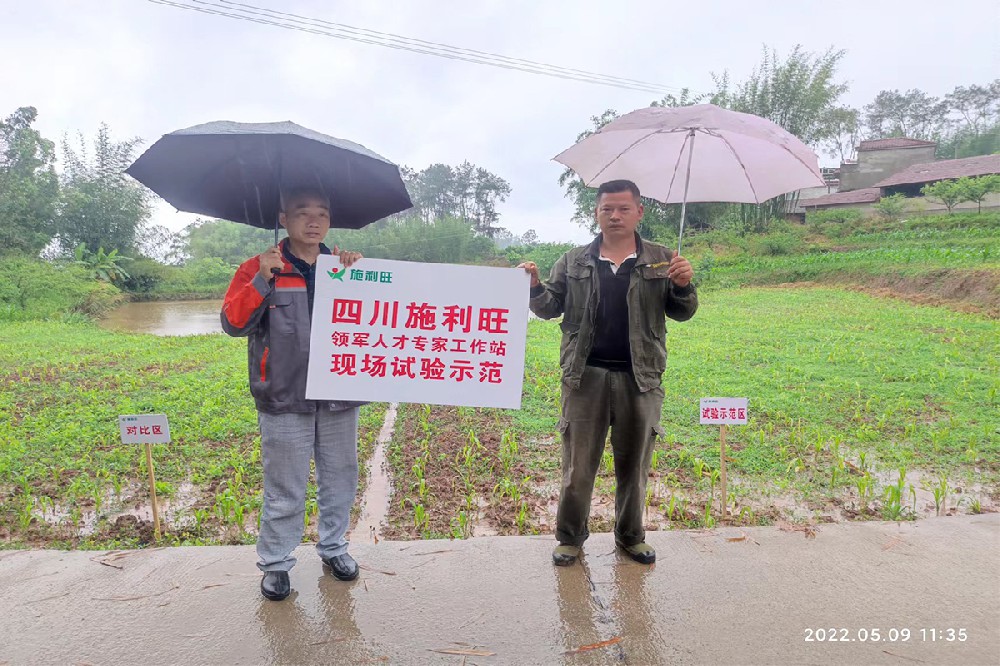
[[399, 331], [724, 411]]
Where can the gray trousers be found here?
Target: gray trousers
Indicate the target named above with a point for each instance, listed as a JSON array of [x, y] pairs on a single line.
[[606, 398], [288, 442]]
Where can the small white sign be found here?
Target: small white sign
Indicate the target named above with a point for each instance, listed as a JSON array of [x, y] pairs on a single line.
[[144, 429], [724, 411]]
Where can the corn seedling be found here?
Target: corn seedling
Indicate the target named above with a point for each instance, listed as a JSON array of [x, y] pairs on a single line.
[[707, 520], [420, 517], [893, 507], [508, 451], [507, 488], [522, 517], [941, 495], [24, 516], [670, 507], [698, 467], [461, 526], [866, 490]]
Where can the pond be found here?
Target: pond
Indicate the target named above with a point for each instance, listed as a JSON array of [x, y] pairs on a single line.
[[167, 317]]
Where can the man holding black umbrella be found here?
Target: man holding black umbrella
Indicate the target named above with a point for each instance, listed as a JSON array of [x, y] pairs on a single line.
[[266, 175], [270, 300]]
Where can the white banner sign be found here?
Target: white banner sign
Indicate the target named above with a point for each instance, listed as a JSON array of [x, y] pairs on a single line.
[[719, 411], [399, 331], [144, 429]]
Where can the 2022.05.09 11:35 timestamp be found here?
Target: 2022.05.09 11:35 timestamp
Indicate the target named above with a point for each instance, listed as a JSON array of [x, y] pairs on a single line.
[[885, 635]]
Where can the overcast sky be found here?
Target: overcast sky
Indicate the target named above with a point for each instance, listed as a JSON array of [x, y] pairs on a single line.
[[148, 69]]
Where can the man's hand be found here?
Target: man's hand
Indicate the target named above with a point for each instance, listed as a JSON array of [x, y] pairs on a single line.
[[347, 258], [531, 268], [268, 260], [680, 271]]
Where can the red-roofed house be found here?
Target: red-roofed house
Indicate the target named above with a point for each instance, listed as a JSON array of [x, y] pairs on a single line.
[[880, 158], [911, 179], [852, 199]]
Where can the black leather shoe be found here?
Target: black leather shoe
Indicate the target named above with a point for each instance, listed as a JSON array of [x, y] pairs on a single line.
[[343, 567], [275, 586]]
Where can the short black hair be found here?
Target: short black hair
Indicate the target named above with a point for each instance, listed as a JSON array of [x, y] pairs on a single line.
[[298, 192], [615, 186]]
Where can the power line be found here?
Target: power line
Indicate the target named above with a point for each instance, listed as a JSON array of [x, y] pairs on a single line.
[[437, 45], [263, 16]]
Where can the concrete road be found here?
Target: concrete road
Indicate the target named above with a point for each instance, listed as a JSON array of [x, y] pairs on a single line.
[[931, 589]]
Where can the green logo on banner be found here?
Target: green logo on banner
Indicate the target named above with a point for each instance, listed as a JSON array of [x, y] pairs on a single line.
[[337, 274]]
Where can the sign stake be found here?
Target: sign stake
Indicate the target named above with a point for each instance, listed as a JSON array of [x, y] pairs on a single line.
[[152, 490], [722, 467]]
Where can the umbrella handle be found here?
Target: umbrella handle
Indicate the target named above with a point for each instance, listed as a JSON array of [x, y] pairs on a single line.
[[275, 271]]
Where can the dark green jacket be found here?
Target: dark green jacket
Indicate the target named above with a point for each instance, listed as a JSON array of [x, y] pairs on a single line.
[[573, 291]]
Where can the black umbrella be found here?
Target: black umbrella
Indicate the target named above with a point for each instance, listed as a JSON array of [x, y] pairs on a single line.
[[235, 171]]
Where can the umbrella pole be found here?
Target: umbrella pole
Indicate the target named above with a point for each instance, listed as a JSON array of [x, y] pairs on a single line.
[[687, 181]]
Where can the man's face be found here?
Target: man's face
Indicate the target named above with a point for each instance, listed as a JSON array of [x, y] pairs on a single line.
[[307, 219], [618, 214]]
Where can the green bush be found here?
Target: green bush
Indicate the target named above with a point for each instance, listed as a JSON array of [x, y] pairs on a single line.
[[201, 278], [988, 220], [145, 276], [543, 254], [775, 244], [722, 241], [34, 289], [838, 215], [891, 207]]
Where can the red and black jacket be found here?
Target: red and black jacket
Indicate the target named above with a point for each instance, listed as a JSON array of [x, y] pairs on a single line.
[[274, 316]]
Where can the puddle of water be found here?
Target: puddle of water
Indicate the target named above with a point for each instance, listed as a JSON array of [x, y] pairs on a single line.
[[166, 317], [378, 491], [958, 496], [173, 511]]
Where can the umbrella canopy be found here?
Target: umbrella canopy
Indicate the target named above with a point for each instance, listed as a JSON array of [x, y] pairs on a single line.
[[696, 153], [235, 171]]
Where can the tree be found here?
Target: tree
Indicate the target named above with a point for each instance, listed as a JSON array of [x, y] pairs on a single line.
[[448, 240], [978, 188], [101, 265], [101, 206], [433, 192], [845, 133], [964, 143], [978, 106], [891, 207], [465, 192], [29, 187], [977, 121], [947, 192], [219, 239], [157, 242], [798, 93], [913, 114]]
